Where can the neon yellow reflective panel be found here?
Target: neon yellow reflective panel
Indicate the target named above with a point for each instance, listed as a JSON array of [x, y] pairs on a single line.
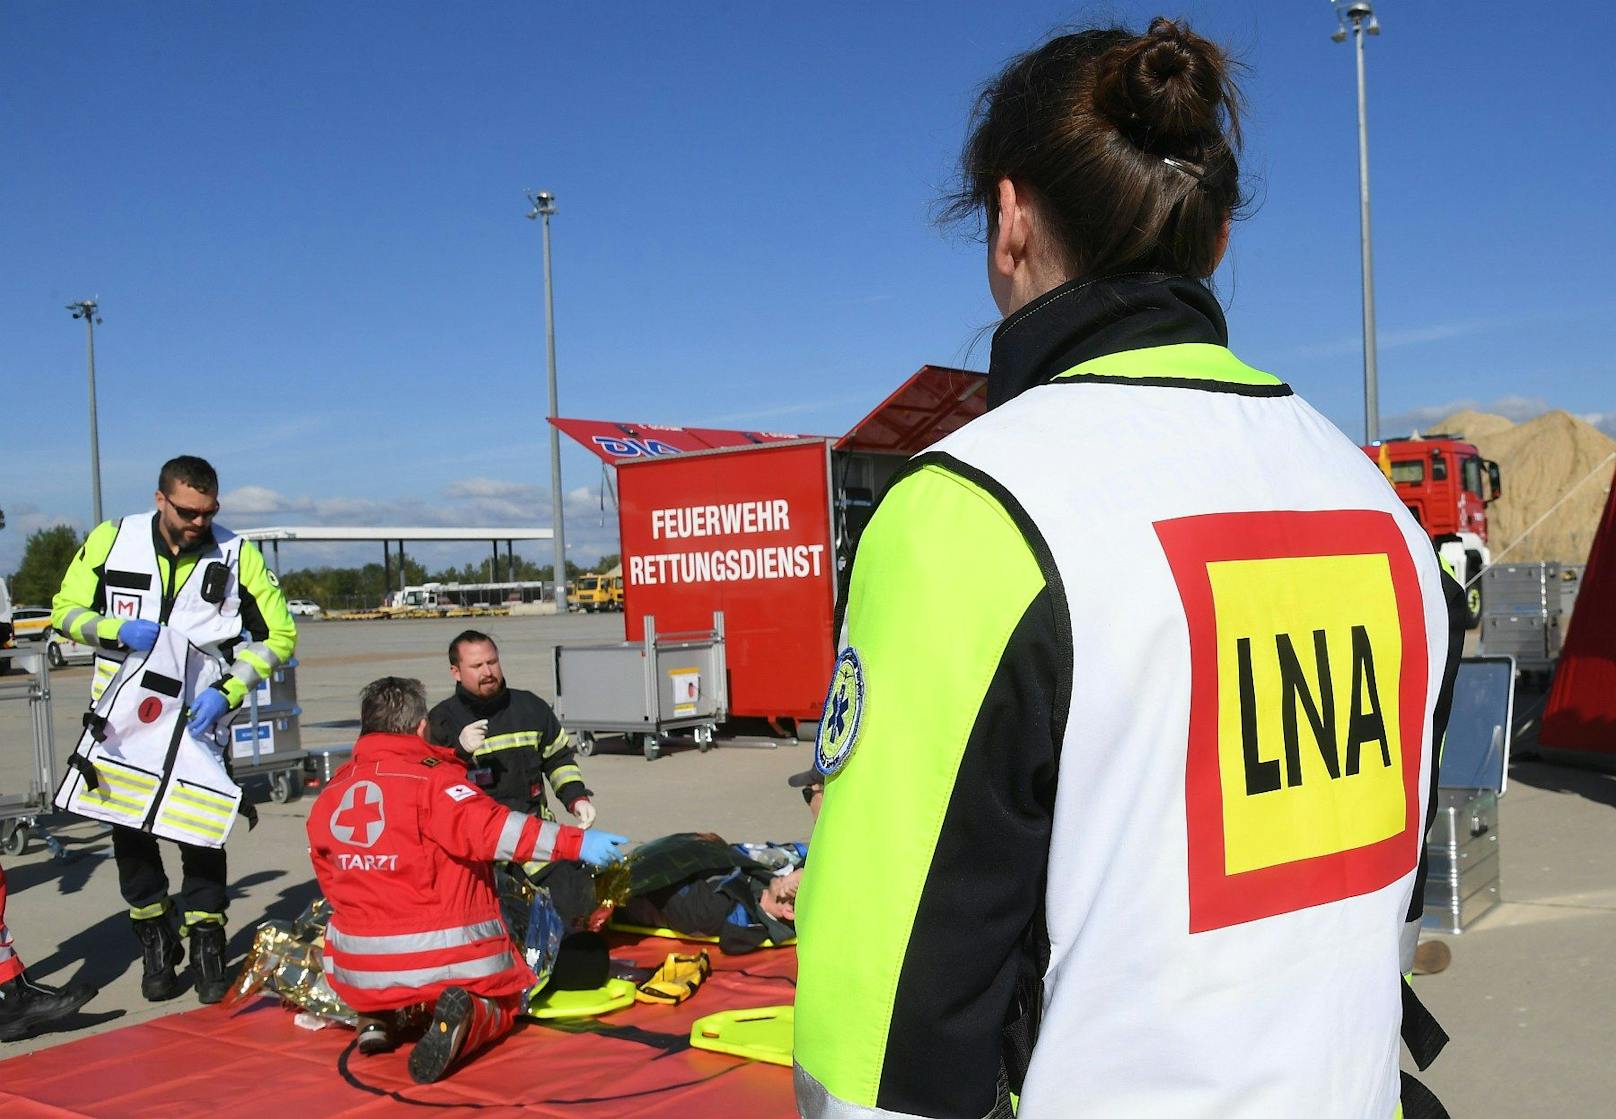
[[1189, 361], [930, 642]]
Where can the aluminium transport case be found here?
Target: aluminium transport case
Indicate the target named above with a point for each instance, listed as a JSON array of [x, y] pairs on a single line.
[[265, 738], [1462, 851]]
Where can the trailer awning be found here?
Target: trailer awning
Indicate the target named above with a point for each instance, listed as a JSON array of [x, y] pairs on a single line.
[[613, 441], [933, 403]]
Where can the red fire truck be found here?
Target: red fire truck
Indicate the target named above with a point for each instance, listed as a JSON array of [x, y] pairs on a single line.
[[1447, 485], [759, 525]]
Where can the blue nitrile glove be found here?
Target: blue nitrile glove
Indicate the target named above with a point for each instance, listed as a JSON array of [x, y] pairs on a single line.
[[138, 634], [206, 709], [601, 848]]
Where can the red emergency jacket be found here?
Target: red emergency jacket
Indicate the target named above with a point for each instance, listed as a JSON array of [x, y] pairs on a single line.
[[401, 843]]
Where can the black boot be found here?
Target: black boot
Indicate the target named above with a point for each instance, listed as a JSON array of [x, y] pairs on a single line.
[[207, 962], [160, 952], [26, 1006]]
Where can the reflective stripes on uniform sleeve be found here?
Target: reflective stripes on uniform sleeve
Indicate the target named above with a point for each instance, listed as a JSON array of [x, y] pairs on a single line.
[[523, 837], [89, 628], [562, 741], [510, 836], [561, 775], [253, 664], [814, 1102]]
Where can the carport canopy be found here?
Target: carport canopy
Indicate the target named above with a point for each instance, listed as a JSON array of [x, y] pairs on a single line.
[[275, 535]]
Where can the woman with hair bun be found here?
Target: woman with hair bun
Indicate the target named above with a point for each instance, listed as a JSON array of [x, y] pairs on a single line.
[[1129, 818]]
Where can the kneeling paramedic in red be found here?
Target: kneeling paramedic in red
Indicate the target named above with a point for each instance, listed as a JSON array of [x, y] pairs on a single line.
[[401, 844]]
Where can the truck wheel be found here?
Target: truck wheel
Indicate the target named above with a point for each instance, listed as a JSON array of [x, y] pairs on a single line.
[[586, 744], [1473, 591], [16, 841], [284, 787]]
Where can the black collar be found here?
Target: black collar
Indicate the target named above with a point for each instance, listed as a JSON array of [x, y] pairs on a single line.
[[203, 542], [1086, 319]]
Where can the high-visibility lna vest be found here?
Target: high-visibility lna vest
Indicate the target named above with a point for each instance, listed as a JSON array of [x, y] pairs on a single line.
[[133, 585], [1254, 633], [137, 764]]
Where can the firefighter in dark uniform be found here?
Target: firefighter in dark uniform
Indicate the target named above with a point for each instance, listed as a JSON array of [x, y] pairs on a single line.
[[514, 744]]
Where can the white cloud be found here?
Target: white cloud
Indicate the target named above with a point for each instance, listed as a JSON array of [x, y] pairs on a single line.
[[1513, 408], [22, 520], [479, 488], [481, 501], [1604, 421], [1395, 339]]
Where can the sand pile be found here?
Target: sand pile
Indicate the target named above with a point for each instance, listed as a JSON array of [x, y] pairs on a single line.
[[1540, 460]]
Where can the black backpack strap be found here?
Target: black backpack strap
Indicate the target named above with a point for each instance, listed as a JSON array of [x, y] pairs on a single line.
[[1423, 1035], [1419, 1102], [86, 770], [96, 725]]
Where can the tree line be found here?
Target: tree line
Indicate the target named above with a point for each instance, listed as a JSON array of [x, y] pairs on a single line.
[[48, 551]]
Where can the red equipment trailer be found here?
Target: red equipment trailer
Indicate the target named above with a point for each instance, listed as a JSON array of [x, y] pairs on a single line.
[[759, 525]]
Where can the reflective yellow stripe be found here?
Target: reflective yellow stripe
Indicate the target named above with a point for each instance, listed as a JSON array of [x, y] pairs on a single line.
[[561, 742], [564, 774], [212, 829], [106, 800], [202, 798], [136, 781], [511, 741]]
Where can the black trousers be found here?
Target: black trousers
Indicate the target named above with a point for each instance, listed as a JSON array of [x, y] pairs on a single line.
[[143, 882]]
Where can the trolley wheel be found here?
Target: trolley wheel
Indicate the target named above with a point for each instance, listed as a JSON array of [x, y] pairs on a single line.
[[651, 746], [704, 738], [586, 743], [16, 840], [284, 787], [53, 653]]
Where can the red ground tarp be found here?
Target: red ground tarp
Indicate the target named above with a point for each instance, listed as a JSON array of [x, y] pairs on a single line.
[[636, 1062], [1581, 714]]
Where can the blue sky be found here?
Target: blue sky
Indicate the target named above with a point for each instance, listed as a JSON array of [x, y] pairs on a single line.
[[304, 223]]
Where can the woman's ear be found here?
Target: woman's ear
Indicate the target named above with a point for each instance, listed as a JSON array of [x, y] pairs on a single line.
[[1223, 242]]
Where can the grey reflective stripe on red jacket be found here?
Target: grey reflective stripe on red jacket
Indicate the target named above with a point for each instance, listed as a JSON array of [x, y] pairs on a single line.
[[510, 836], [433, 941], [480, 968]]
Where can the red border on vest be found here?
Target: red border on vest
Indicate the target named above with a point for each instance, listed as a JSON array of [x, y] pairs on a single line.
[[1218, 899]]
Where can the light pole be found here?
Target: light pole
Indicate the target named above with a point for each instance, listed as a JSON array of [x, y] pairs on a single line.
[[87, 310], [543, 204], [1362, 18]]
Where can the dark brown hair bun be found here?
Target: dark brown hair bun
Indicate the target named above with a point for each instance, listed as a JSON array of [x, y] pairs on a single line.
[[1164, 91]]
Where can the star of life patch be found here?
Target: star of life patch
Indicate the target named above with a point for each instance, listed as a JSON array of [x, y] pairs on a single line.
[[844, 709]]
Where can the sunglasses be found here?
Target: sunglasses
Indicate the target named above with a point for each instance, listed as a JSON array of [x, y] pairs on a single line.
[[185, 514]]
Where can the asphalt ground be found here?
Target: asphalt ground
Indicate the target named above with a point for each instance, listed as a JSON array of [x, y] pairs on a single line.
[[1529, 999]]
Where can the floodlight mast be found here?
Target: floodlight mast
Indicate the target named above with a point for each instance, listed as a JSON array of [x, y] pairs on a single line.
[[1361, 15], [543, 206], [90, 312]]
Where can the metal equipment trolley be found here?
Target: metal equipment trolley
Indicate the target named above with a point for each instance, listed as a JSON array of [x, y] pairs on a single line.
[[27, 775], [643, 689], [265, 738]]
